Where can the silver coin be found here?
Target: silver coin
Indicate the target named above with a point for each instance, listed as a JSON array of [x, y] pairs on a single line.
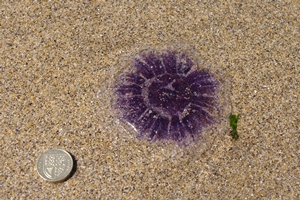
[[54, 165]]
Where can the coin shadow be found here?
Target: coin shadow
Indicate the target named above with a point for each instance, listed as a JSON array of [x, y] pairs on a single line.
[[74, 166]]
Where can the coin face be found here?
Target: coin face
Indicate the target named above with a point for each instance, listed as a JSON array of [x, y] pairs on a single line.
[[54, 165]]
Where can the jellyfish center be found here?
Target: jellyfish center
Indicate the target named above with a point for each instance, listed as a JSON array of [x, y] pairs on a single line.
[[169, 95]]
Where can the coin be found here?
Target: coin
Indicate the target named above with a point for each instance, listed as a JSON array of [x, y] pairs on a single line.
[[54, 165]]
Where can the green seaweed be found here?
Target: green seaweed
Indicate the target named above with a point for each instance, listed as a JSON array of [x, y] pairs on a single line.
[[233, 120]]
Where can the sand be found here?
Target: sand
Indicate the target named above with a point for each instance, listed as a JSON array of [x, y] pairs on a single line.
[[58, 64]]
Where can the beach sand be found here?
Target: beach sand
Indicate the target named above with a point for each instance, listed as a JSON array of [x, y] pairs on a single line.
[[58, 64]]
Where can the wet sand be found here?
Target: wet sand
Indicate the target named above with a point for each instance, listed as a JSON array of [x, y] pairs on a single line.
[[58, 64]]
